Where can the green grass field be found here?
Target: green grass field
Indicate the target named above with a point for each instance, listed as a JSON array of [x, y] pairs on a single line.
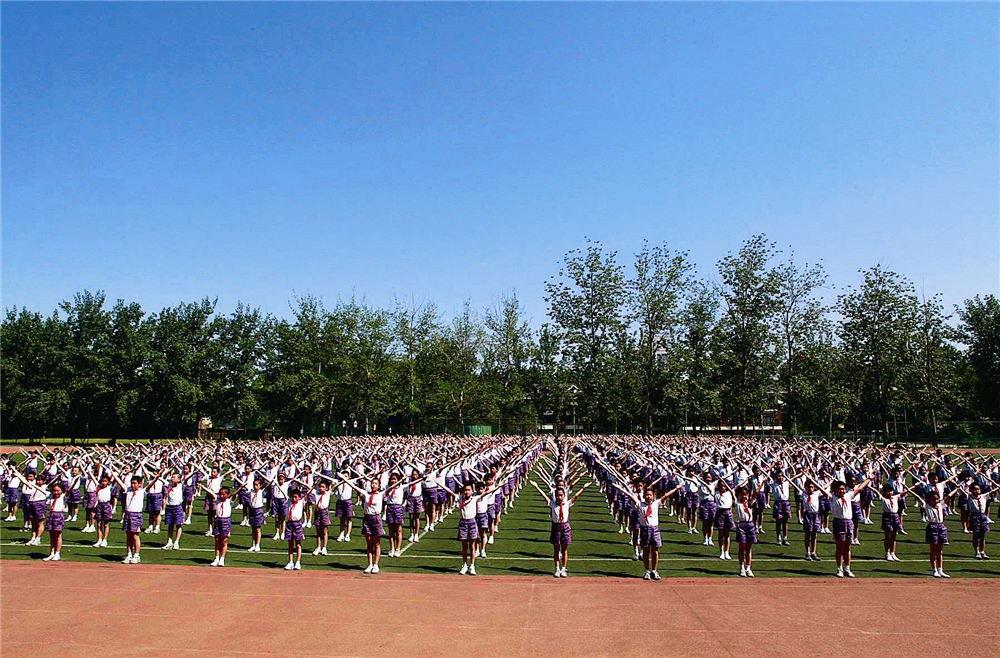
[[522, 548]]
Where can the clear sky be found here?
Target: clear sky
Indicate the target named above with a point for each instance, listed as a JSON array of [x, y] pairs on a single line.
[[164, 152]]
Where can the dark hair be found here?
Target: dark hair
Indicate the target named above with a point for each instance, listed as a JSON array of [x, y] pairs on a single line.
[[226, 489]]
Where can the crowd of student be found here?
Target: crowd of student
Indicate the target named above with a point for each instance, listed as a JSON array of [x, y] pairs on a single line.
[[724, 484]]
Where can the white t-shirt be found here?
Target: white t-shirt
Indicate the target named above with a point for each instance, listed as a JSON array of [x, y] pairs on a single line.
[[224, 509], [468, 506], [372, 502], [559, 512], [841, 505], [295, 510], [649, 513], [135, 501]]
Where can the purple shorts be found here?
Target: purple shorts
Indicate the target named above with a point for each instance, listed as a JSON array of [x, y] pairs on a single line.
[[36, 510], [279, 507], [483, 521], [782, 510], [209, 503], [321, 518], [414, 505], [560, 534], [132, 522], [441, 496], [810, 521], [979, 523], [73, 496], [724, 519], [103, 512], [691, 500], [891, 522], [256, 517], [154, 502], [11, 495], [394, 514], [649, 535], [55, 522], [746, 533], [467, 529], [843, 529], [222, 527], [174, 515], [371, 526], [707, 511], [90, 500], [344, 509], [293, 531], [188, 493], [936, 533]]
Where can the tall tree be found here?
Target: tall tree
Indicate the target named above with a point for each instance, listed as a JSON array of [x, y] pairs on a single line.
[[979, 331], [877, 323], [416, 328], [801, 323], [662, 277], [699, 393], [748, 349], [506, 357], [585, 303], [459, 362]]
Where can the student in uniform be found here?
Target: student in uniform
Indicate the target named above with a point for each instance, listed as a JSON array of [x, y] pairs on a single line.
[[648, 508], [222, 524], [977, 505], [843, 522], [256, 515], [561, 533], [394, 496], [781, 510], [173, 499], [890, 521], [293, 530], [371, 524]]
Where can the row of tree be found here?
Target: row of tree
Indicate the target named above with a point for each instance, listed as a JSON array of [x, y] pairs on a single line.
[[648, 347]]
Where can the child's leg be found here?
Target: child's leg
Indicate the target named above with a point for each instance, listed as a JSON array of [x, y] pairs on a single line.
[[654, 558], [646, 550], [565, 555]]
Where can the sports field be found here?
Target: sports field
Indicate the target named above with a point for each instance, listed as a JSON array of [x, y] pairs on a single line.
[[522, 548]]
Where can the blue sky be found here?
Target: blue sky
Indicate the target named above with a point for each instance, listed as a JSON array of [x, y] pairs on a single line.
[[164, 152]]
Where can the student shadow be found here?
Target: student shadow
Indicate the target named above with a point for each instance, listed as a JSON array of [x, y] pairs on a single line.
[[795, 571]]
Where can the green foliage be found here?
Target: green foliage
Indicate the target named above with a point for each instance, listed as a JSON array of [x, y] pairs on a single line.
[[649, 348]]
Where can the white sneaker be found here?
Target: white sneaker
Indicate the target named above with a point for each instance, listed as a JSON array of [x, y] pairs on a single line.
[[56, 557], [168, 546], [323, 551], [49, 558], [750, 573], [935, 573], [656, 575], [187, 521], [289, 566], [375, 569], [464, 570], [215, 562], [743, 571], [942, 574], [277, 537], [251, 549], [840, 572], [97, 544], [136, 559], [722, 555], [156, 530], [368, 569], [208, 533], [222, 562], [848, 572], [482, 553], [564, 574], [245, 522], [340, 537], [128, 559], [728, 556], [177, 546], [489, 541], [317, 550], [647, 575], [888, 556], [472, 570], [298, 566]]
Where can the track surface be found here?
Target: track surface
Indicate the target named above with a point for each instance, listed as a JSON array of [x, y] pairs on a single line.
[[79, 609]]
